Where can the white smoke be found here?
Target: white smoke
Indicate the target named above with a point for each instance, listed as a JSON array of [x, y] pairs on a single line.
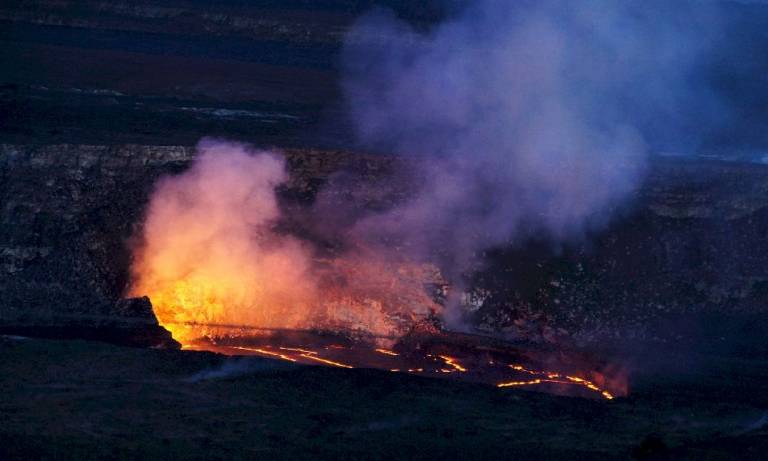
[[534, 117], [239, 366]]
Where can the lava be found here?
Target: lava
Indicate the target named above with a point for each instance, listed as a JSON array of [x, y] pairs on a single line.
[[266, 352], [386, 352], [450, 361], [554, 377], [224, 276], [429, 360]]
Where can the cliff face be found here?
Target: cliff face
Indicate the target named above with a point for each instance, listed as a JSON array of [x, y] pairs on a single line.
[[67, 213], [98, 98], [689, 260], [686, 265]]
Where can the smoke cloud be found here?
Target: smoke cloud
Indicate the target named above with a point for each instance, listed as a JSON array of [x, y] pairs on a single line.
[[237, 367], [211, 259], [209, 254], [531, 118], [526, 119]]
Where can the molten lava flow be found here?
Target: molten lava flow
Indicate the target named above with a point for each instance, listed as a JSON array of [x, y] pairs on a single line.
[[387, 352], [298, 354], [553, 377], [265, 352], [326, 361], [429, 360], [450, 361], [312, 355]]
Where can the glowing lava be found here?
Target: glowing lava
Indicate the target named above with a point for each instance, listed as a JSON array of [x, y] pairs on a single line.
[[312, 355], [450, 361], [387, 352], [467, 367], [265, 352], [553, 377], [217, 271]]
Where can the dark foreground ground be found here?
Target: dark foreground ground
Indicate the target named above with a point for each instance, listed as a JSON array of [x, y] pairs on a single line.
[[98, 99], [88, 400]]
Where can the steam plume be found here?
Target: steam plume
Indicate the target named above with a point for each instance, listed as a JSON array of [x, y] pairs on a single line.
[[531, 118], [534, 117], [208, 252], [210, 259]]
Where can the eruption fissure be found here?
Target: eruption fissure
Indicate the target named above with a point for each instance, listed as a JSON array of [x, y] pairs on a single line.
[[359, 356], [450, 361], [554, 377], [265, 352], [386, 352]]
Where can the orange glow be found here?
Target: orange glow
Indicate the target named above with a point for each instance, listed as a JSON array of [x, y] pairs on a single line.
[[452, 362], [310, 356], [210, 260], [214, 267], [519, 383], [301, 353], [296, 349], [208, 255], [552, 377], [359, 356], [265, 352], [386, 352]]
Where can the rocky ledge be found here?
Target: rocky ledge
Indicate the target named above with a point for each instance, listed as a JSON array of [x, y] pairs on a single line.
[[687, 260]]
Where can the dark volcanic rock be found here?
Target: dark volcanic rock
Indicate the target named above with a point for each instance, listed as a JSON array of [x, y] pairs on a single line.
[[135, 307], [131, 322], [79, 400], [688, 263], [67, 215]]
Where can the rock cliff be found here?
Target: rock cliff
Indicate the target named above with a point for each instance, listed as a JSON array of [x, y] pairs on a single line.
[[688, 260]]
